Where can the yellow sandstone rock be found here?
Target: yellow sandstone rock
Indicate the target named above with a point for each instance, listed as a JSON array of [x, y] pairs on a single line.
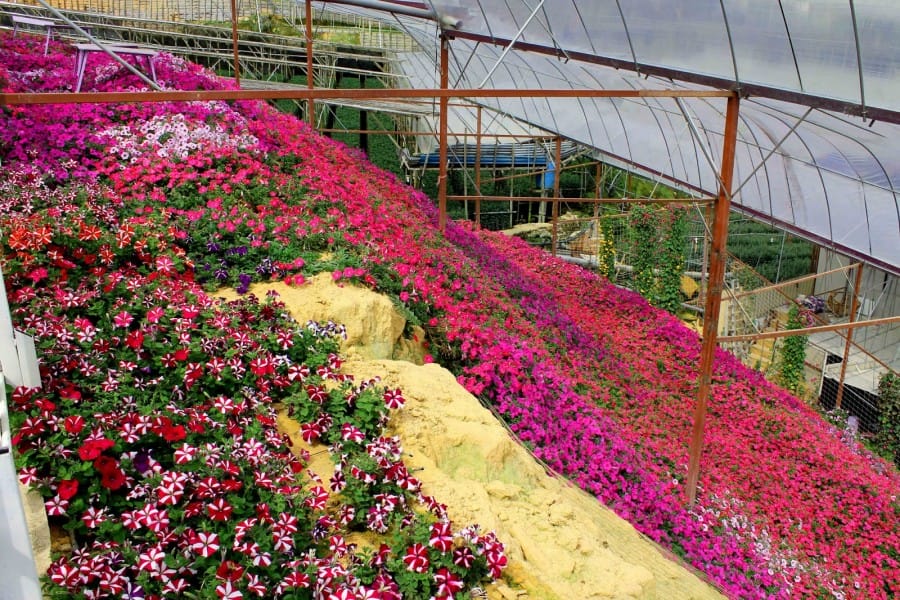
[[562, 543]]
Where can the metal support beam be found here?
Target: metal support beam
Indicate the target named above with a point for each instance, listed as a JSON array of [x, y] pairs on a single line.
[[397, 8], [772, 151], [310, 84], [714, 296], [329, 93], [442, 141], [771, 335], [557, 159], [512, 43], [478, 166], [234, 43], [854, 305]]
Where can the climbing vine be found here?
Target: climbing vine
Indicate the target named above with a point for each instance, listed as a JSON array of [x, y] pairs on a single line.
[[793, 356], [658, 241], [888, 438], [671, 262], [606, 250], [644, 225]]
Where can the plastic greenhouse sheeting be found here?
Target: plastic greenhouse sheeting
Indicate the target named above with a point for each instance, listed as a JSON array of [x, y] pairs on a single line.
[[832, 178]]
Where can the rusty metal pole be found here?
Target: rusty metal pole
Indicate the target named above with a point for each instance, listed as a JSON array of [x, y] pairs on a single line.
[[234, 42], [714, 295], [554, 241], [442, 141], [310, 83], [854, 305], [478, 166]]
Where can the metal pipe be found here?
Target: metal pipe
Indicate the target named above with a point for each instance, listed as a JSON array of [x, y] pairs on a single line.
[[384, 5], [478, 166], [766, 335], [328, 93], [554, 236], [442, 141], [234, 43], [512, 43], [853, 308], [591, 200], [310, 83], [772, 151], [714, 296]]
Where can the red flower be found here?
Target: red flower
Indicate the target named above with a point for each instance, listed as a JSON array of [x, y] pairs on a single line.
[[229, 571], [227, 591], [441, 537], [448, 583], [67, 488], [91, 449], [113, 480], [219, 510], [106, 464], [173, 433], [74, 424], [123, 319], [394, 399], [416, 558], [135, 339], [463, 557]]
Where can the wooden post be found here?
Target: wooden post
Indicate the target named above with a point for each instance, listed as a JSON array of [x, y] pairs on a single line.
[[310, 83], [234, 42], [442, 141], [718, 256], [854, 305]]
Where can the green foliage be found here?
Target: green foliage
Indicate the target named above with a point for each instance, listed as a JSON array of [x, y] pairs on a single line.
[[888, 439], [793, 357], [606, 251], [671, 262], [658, 242], [761, 247], [644, 225]]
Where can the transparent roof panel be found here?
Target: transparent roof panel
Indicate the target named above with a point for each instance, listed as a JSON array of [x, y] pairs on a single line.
[[762, 44], [824, 43], [694, 39], [803, 162], [769, 47]]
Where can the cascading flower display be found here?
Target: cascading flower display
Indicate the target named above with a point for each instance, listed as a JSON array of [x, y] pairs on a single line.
[[113, 274]]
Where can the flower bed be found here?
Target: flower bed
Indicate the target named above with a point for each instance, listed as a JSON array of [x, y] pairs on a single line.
[[154, 439], [596, 382]]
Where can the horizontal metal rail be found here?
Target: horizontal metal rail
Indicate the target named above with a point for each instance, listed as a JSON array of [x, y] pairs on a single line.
[[765, 335], [325, 94]]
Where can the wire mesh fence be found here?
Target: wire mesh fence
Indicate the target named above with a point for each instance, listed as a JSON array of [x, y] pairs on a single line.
[[841, 371]]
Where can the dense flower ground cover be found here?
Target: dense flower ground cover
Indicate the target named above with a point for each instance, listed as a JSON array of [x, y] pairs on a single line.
[[599, 384]]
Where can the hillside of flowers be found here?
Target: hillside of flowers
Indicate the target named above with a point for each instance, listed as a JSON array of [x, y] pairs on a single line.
[[118, 221]]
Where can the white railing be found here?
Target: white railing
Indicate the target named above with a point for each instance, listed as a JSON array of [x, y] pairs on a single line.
[[17, 569]]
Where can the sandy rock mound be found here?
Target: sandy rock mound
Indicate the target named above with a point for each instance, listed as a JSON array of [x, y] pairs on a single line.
[[561, 542], [374, 328]]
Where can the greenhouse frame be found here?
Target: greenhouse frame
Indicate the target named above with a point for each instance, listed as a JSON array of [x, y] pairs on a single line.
[[785, 111]]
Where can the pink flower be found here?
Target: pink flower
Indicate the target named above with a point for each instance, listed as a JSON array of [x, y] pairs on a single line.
[[416, 558], [123, 319]]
